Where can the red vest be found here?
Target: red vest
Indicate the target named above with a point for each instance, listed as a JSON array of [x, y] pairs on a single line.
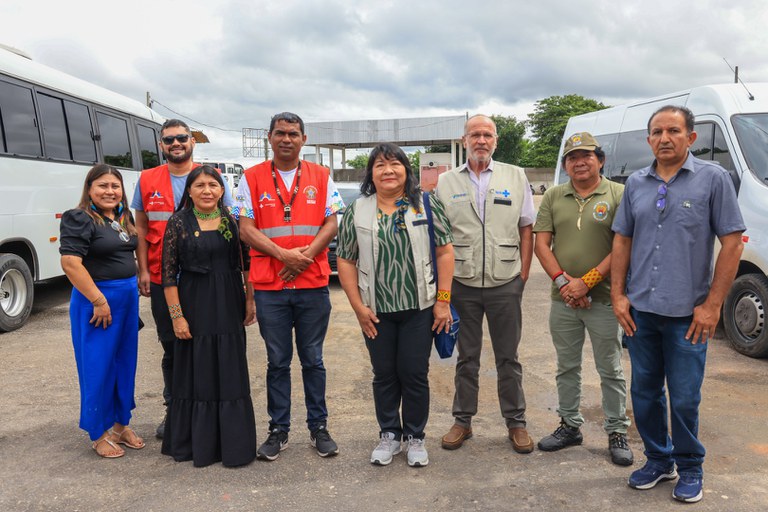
[[157, 199], [307, 216]]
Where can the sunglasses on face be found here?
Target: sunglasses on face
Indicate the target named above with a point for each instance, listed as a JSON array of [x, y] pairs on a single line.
[[168, 139], [661, 199]]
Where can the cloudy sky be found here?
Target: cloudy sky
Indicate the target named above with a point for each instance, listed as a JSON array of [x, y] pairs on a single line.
[[232, 64]]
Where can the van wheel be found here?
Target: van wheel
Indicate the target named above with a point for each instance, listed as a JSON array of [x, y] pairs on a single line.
[[17, 292], [744, 315]]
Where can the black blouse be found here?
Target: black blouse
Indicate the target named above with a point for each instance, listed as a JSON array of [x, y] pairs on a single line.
[[180, 248], [104, 255]]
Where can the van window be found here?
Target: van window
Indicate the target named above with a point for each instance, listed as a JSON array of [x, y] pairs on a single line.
[[630, 154], [17, 117], [752, 133]]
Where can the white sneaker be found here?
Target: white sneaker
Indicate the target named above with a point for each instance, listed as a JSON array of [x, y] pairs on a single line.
[[387, 448], [417, 452]]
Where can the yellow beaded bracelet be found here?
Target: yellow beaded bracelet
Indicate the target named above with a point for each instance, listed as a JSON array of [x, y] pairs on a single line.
[[592, 277], [443, 296]]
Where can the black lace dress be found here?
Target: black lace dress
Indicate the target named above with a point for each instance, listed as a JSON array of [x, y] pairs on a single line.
[[211, 414]]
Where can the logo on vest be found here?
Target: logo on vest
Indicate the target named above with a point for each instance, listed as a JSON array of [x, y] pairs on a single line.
[[504, 193], [311, 193], [600, 211], [266, 200], [156, 198]]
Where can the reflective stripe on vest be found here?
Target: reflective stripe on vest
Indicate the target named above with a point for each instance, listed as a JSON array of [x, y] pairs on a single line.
[[161, 216], [290, 230]]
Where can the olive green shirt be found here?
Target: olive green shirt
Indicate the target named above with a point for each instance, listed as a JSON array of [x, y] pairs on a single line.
[[580, 245]]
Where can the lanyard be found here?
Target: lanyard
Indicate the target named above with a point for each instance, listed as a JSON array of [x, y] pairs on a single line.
[[287, 207]]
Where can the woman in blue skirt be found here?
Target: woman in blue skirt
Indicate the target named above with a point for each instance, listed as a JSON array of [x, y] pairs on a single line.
[[98, 240]]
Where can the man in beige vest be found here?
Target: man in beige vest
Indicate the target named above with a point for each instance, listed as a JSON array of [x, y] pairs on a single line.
[[491, 210]]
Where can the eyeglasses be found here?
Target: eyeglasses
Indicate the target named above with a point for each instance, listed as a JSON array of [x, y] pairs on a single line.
[[168, 139], [661, 200], [124, 236]]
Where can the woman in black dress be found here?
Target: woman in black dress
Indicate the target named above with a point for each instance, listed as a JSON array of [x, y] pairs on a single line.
[[211, 414]]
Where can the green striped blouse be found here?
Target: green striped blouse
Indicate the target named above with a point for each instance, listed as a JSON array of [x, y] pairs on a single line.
[[395, 272]]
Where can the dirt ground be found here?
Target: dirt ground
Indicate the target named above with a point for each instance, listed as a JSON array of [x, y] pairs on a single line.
[[46, 463]]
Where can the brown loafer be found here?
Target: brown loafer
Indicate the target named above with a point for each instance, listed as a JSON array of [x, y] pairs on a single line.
[[521, 441], [456, 437]]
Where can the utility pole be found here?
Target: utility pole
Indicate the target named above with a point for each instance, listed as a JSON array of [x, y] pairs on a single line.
[[736, 77], [149, 100]]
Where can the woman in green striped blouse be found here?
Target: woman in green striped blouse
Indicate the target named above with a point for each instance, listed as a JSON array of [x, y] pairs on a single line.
[[385, 268]]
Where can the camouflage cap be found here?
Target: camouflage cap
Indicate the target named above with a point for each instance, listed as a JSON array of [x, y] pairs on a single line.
[[580, 140]]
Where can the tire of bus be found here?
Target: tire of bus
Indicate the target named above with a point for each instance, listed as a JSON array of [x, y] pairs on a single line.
[[17, 292], [744, 315]]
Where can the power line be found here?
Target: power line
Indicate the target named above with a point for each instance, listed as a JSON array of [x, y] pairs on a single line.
[[194, 120]]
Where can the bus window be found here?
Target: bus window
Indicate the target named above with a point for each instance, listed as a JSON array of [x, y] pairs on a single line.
[[17, 112], [80, 132], [148, 145], [116, 149], [54, 127]]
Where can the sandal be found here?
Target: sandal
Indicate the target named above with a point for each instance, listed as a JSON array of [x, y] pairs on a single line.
[[113, 455], [127, 437]]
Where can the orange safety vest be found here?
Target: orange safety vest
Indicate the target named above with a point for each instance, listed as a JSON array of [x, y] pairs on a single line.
[[307, 216], [157, 199]]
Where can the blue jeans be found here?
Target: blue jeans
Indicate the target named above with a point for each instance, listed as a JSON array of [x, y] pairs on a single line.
[[279, 313], [659, 351]]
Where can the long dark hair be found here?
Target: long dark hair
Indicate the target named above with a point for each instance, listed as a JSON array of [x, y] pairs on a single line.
[[389, 151], [122, 212], [185, 203]]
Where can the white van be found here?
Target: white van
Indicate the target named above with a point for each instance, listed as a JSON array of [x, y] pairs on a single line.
[[732, 127]]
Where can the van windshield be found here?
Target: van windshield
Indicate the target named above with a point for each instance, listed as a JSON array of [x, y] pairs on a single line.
[[752, 132]]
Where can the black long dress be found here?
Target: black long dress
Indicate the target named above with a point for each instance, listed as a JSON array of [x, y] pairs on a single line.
[[211, 414]]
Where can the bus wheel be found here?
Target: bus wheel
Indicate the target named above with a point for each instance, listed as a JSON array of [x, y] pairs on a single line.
[[744, 315], [16, 292]]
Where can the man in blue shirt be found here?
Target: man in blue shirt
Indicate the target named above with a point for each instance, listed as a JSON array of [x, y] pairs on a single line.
[[665, 295]]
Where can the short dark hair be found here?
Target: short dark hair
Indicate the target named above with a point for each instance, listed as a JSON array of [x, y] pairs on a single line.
[[185, 202], [288, 117], [690, 119], [174, 123], [389, 151]]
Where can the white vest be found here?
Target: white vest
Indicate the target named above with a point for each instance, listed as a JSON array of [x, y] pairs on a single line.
[[486, 254], [367, 229]]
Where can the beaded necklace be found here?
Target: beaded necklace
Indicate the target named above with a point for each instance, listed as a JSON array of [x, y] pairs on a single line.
[[215, 214]]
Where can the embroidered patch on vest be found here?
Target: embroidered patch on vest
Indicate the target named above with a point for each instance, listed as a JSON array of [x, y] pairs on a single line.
[[600, 211]]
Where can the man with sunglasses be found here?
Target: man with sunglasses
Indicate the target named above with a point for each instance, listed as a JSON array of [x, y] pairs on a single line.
[[666, 296], [156, 197], [573, 244], [288, 216]]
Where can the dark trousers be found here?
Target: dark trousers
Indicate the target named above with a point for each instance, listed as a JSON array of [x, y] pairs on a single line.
[[279, 313], [400, 360], [501, 305], [661, 355], [165, 334]]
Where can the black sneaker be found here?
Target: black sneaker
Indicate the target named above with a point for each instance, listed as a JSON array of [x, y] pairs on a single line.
[[563, 436], [274, 444], [621, 453], [323, 442]]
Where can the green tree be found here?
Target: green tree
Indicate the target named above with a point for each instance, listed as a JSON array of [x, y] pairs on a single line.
[[359, 162], [509, 147], [547, 124], [439, 148], [415, 159]]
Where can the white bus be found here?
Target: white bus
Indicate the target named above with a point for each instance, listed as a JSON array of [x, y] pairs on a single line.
[[732, 127], [53, 128]]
